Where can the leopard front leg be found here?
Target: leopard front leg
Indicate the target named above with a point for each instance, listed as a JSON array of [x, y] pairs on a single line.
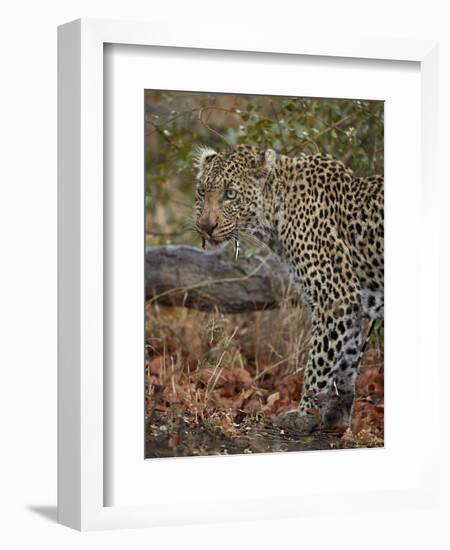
[[330, 373], [336, 387]]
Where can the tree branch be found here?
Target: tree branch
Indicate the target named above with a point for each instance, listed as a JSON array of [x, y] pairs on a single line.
[[187, 276]]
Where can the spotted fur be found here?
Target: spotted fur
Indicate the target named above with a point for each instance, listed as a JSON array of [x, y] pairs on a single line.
[[328, 226]]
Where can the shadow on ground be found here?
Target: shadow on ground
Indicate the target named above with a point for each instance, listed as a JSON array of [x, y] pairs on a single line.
[[48, 512]]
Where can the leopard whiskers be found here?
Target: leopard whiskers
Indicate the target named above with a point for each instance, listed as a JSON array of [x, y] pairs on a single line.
[[185, 227], [249, 240]]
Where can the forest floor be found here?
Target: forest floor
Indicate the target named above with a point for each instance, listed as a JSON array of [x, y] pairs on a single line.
[[197, 406]]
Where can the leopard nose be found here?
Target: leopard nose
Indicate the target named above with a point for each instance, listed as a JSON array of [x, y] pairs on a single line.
[[207, 226]]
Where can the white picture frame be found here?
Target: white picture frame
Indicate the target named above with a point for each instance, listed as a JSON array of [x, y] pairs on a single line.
[[82, 483]]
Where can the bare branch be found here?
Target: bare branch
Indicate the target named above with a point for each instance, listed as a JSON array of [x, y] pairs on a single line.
[[187, 276]]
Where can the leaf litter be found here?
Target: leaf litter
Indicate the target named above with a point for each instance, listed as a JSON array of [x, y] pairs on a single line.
[[215, 385]]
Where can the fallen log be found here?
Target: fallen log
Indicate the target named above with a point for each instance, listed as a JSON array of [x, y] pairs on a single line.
[[209, 280]]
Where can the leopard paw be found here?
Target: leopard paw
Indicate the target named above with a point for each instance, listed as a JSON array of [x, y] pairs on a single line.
[[299, 421]]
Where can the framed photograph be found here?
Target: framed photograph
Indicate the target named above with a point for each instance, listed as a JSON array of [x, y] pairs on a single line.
[[243, 265]]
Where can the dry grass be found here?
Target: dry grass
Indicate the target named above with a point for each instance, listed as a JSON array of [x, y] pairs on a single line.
[[215, 383]]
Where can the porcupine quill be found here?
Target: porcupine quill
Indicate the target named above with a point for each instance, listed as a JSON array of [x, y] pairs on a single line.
[[237, 248]]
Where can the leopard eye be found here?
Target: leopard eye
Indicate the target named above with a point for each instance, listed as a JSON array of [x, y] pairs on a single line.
[[230, 194], [201, 192]]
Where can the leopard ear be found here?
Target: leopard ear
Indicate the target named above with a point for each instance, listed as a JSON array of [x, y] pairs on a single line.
[[269, 159], [262, 172], [202, 156]]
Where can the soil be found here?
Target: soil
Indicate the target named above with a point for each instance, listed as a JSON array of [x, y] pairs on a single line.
[[169, 435]]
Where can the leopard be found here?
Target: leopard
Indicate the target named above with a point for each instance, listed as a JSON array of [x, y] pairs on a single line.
[[327, 225]]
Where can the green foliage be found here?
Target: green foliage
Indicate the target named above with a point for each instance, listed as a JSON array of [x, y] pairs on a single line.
[[175, 122]]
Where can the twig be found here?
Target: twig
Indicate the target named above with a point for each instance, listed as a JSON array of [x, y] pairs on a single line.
[[160, 132], [203, 123], [157, 128], [320, 134], [169, 120]]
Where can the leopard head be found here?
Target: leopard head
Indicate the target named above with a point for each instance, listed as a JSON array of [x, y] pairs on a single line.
[[230, 189]]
